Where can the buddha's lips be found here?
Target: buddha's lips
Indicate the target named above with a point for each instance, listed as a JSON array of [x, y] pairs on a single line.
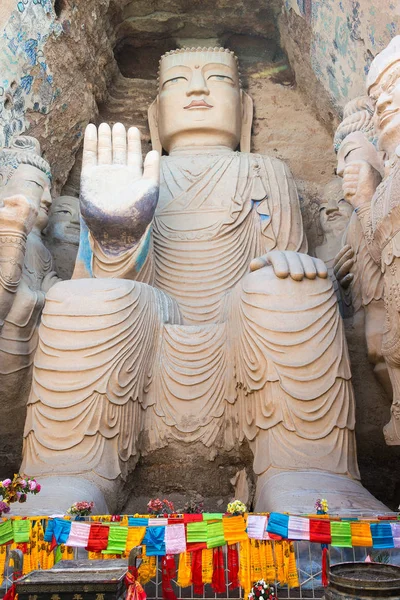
[[198, 104]]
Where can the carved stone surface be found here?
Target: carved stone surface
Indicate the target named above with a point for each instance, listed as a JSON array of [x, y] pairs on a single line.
[[62, 234], [334, 216], [199, 318], [377, 207], [25, 276]]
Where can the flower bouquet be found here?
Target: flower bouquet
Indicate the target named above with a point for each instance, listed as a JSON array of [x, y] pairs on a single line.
[[80, 509], [194, 507], [321, 506], [236, 508], [16, 490], [262, 590], [159, 507]]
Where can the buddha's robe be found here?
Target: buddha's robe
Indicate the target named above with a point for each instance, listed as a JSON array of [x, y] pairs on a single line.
[[176, 340]]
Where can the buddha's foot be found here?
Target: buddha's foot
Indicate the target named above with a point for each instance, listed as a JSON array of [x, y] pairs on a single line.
[[58, 494], [297, 491]]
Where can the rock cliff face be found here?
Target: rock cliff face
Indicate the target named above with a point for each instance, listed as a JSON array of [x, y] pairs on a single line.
[[64, 63]]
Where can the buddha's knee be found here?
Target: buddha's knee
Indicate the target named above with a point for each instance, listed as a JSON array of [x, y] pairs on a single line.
[[90, 296], [264, 281]]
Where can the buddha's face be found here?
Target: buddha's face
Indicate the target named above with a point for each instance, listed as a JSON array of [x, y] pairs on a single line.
[[31, 182], [64, 222], [334, 211], [199, 100], [386, 95]]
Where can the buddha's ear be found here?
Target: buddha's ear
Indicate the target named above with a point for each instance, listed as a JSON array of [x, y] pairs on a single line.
[[247, 122], [152, 116]]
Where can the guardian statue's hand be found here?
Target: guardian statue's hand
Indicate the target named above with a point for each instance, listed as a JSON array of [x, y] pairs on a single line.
[[360, 180], [295, 264], [344, 260], [118, 198]]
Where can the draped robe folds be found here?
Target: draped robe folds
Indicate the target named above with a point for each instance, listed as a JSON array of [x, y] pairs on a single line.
[[186, 344]]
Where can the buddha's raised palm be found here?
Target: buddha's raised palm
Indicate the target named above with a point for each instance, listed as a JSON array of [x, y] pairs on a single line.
[[118, 198]]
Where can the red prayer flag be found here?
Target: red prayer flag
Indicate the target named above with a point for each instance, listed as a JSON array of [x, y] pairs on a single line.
[[98, 537], [320, 531]]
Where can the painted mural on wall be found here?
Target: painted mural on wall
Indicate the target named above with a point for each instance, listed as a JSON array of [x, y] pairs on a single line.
[[25, 78], [346, 35]]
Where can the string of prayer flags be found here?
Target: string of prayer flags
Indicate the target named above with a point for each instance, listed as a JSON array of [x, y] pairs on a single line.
[[320, 531], [234, 529], [117, 537], [298, 528], [278, 524], [360, 534], [257, 527], [78, 534], [21, 531], [215, 534], [341, 534], [382, 536], [154, 540], [98, 537], [197, 531], [175, 540]]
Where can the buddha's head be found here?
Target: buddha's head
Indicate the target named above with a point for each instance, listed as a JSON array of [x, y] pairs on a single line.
[[200, 101], [64, 221], [383, 85], [24, 172], [334, 211]]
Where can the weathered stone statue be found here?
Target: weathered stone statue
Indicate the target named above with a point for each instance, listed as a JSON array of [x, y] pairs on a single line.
[[360, 276], [62, 234], [334, 216], [377, 207], [198, 315], [25, 276]]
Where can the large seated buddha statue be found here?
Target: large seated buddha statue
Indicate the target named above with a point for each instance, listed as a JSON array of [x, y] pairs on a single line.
[[195, 314]]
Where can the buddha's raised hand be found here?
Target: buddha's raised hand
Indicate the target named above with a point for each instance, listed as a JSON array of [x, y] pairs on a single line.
[[295, 264], [118, 198]]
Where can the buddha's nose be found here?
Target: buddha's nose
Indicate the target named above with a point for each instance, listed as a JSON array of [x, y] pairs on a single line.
[[197, 84]]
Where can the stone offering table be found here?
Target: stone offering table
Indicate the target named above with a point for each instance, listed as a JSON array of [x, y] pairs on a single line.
[[75, 580]]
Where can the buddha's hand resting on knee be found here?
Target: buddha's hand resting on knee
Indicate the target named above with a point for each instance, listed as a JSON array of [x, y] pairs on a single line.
[[118, 198], [295, 264], [344, 260]]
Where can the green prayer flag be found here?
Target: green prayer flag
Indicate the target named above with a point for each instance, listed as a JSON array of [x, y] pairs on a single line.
[[341, 534], [116, 540], [215, 534], [6, 532], [21, 531], [58, 555], [197, 531], [212, 516]]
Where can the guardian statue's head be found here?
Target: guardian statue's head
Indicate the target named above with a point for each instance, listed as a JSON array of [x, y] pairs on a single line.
[[383, 84]]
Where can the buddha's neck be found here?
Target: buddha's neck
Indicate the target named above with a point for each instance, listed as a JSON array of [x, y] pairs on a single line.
[[190, 150]]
